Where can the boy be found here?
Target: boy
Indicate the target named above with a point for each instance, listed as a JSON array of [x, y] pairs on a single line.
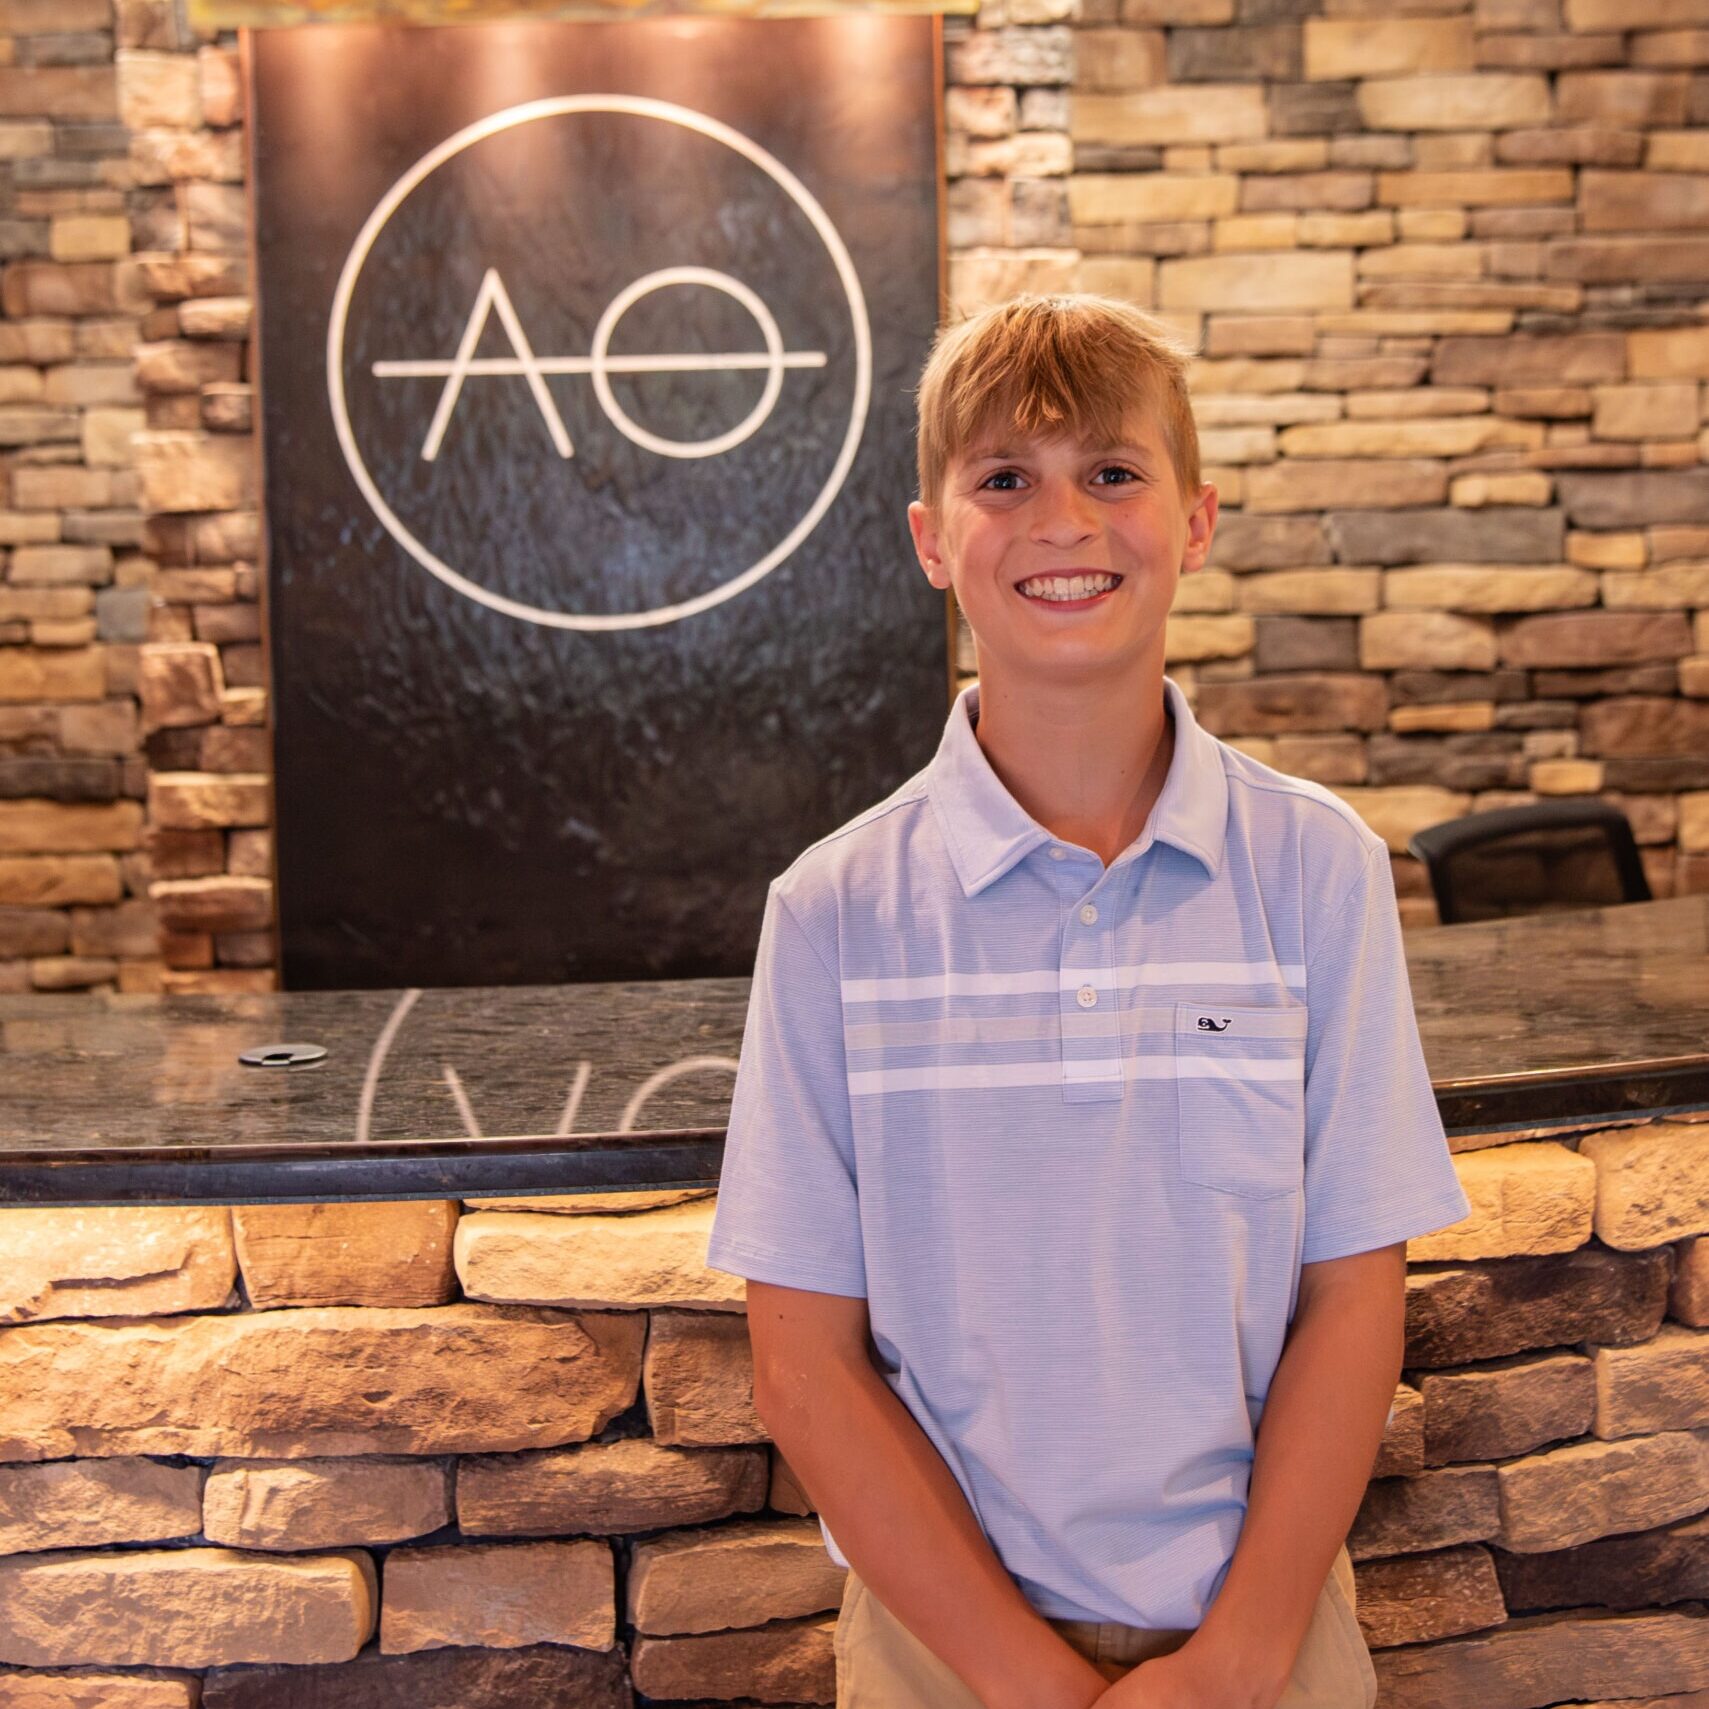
[[1080, 1079]]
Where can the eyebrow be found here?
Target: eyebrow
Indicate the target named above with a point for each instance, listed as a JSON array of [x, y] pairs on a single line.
[[1002, 454]]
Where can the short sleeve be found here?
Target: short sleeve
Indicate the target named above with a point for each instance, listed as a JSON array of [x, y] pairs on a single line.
[[1377, 1168], [787, 1208]]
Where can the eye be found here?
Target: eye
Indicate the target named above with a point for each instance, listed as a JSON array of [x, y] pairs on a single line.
[[1001, 475], [1125, 474]]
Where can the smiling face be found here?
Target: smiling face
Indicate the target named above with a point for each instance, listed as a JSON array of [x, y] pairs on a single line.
[[1065, 554]]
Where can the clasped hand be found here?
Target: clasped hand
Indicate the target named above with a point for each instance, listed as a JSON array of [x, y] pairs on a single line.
[[1186, 1678]]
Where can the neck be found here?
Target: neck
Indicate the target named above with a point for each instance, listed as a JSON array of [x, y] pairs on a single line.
[[1087, 761]]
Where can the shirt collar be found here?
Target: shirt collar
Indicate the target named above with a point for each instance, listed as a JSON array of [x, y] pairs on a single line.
[[988, 831]]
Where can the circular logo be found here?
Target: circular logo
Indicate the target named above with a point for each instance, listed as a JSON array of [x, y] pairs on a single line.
[[642, 469]]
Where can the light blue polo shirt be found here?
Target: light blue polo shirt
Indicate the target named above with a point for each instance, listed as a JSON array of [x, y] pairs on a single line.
[[1072, 1130]]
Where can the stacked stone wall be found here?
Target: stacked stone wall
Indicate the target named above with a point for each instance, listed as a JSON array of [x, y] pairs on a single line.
[[471, 1455], [1446, 263], [133, 740]]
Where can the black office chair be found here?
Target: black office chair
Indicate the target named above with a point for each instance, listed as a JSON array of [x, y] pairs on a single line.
[[1574, 852]]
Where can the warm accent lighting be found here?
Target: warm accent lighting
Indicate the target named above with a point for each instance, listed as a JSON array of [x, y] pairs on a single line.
[[235, 14]]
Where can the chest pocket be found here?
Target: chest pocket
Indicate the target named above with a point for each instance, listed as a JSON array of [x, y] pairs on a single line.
[[1240, 1096]]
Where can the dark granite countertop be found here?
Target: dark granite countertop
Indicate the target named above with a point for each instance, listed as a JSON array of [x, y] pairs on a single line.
[[1541, 1020]]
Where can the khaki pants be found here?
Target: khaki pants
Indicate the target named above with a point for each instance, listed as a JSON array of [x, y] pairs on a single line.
[[882, 1665]]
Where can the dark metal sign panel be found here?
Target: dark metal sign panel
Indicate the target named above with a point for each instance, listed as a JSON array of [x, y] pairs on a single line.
[[587, 356]]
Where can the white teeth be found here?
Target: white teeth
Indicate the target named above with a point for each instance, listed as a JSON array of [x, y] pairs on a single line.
[[1066, 587]]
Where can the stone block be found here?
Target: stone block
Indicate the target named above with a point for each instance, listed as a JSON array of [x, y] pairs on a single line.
[[77, 673], [195, 471], [698, 1379], [83, 1504], [90, 1688], [1456, 1314], [1572, 359], [158, 89], [1624, 1660], [191, 801], [1638, 498], [215, 317], [1416, 1598], [324, 1503], [987, 112], [1642, 201], [1529, 1197], [540, 1676], [89, 237], [1170, 116], [739, 1574], [1244, 542], [1591, 638], [54, 881], [595, 1262], [791, 1660], [1324, 593], [1492, 536], [1116, 59], [1622, 100], [1672, 587], [1667, 353], [219, 903], [1028, 57], [347, 1254], [1295, 702], [1435, 1510], [68, 92], [1432, 640], [186, 365], [607, 1488], [1644, 725], [1661, 1384], [1506, 1407], [1317, 484], [1098, 198], [1442, 101], [1652, 1183], [325, 1381], [1566, 1496], [183, 1608], [1525, 486], [1386, 46], [1306, 280], [36, 826], [1637, 1570], [1487, 588], [1324, 108], [1491, 188], [500, 1596], [1260, 51], [116, 1261], [1437, 436], [1191, 638]]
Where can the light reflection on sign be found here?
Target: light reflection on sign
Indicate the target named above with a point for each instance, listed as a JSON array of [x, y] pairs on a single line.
[[626, 1122]]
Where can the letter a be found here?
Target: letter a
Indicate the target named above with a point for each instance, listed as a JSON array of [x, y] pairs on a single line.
[[492, 295]]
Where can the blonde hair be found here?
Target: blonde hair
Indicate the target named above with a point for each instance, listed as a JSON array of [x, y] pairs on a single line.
[[1072, 363]]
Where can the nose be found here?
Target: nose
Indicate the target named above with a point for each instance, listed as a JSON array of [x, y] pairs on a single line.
[[1062, 513]]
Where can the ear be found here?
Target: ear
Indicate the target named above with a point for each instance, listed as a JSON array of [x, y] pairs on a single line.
[[923, 525], [1201, 525]]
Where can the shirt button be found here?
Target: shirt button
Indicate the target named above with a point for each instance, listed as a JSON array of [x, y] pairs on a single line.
[[1089, 915], [1058, 853], [1086, 997]]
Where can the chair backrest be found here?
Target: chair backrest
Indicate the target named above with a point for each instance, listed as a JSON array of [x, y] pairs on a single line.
[[1574, 852]]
